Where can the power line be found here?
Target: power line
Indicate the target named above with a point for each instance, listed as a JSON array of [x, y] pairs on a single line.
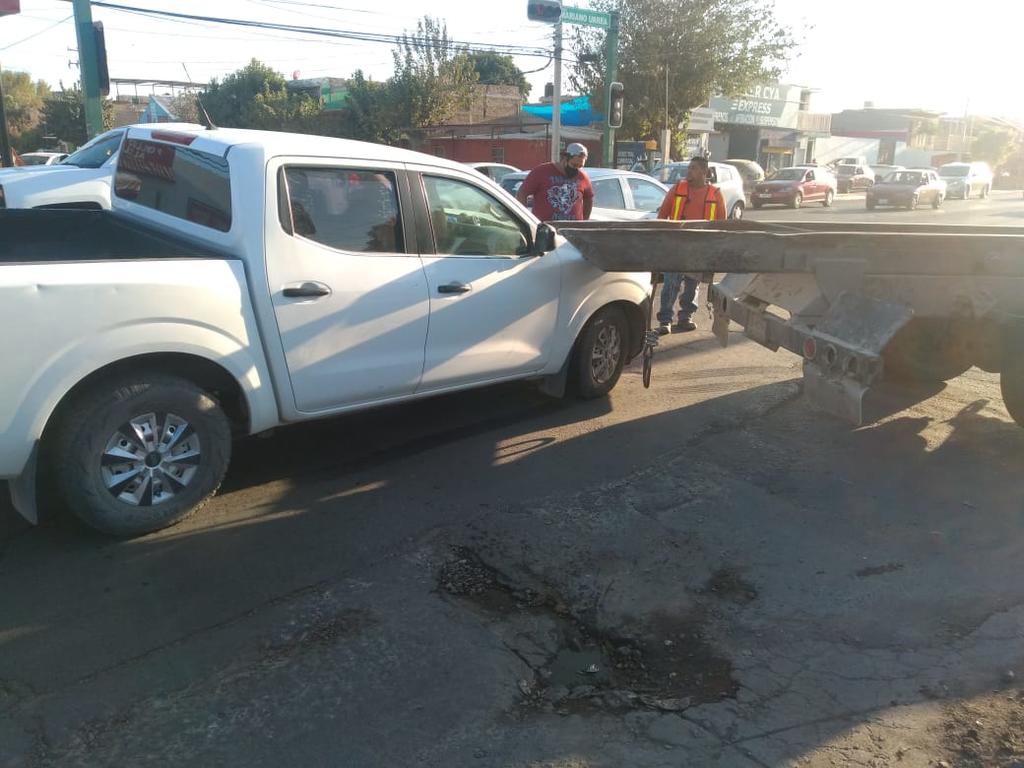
[[334, 33], [37, 34]]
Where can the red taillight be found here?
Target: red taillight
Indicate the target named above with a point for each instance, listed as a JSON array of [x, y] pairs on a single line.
[[810, 349], [174, 137]]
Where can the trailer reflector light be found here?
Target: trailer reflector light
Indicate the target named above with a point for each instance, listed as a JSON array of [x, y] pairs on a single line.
[[810, 348]]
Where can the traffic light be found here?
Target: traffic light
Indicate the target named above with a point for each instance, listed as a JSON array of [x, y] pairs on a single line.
[[548, 11], [616, 104], [103, 74]]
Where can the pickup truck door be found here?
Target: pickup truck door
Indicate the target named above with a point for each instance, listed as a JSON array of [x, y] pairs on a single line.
[[493, 307], [346, 283]]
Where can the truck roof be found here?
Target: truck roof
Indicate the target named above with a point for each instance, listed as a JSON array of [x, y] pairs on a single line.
[[220, 140]]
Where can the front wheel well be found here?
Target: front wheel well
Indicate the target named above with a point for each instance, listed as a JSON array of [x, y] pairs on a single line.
[[205, 374]]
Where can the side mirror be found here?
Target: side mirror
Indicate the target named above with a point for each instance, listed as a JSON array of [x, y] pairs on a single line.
[[544, 240]]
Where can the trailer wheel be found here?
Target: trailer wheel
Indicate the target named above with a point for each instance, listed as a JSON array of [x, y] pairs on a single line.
[[924, 352], [1011, 381], [600, 353], [137, 454]]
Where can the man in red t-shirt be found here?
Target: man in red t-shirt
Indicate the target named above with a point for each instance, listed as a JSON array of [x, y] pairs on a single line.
[[561, 191]]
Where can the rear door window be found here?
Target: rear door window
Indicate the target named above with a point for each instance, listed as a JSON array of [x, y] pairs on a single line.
[[348, 209], [176, 180], [608, 193]]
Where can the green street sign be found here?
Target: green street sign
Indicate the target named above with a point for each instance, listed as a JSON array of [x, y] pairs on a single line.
[[586, 17]]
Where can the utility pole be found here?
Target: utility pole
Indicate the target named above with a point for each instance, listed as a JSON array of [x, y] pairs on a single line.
[[612, 57], [88, 67], [556, 98], [666, 134], [6, 158]]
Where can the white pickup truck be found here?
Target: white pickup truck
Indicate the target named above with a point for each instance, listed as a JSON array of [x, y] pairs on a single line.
[[245, 280]]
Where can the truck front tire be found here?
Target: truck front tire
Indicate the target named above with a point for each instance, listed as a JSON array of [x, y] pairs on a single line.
[[136, 454], [600, 353]]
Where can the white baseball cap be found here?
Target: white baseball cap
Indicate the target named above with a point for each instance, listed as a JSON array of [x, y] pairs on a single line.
[[575, 149]]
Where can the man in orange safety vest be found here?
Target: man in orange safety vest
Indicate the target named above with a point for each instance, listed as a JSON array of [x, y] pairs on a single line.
[[690, 199]]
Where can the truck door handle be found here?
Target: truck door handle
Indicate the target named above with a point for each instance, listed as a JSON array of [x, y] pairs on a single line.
[[306, 290], [455, 288]]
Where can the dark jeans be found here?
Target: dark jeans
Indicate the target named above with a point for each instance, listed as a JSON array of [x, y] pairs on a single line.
[[670, 290]]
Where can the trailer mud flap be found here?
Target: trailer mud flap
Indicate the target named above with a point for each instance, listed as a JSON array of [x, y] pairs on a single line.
[[842, 397]]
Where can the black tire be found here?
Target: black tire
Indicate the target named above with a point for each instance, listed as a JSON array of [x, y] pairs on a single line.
[[985, 191], [870, 205], [757, 206], [797, 201], [600, 354], [912, 204], [1011, 380], [737, 211], [924, 351], [937, 201], [90, 437], [967, 192], [827, 202]]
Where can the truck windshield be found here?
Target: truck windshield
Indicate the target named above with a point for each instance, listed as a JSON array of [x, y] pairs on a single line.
[[96, 152]]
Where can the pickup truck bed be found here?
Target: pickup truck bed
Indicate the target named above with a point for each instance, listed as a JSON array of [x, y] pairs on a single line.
[[84, 235], [856, 300]]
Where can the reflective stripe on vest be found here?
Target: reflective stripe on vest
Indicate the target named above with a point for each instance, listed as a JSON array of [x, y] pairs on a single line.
[[710, 206]]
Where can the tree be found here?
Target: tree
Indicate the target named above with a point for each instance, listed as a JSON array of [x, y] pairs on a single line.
[[493, 69], [433, 77], [701, 47], [24, 100], [256, 97], [994, 145], [370, 111], [64, 116]]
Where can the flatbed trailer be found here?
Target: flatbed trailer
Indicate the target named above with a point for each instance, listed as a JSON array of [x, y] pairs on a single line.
[[857, 301]]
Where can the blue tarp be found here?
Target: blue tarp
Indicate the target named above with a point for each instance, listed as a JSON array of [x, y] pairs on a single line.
[[575, 112]]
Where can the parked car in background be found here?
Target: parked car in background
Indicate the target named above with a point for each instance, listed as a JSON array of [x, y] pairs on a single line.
[[725, 177], [496, 171], [618, 195], [965, 179], [752, 173], [882, 170], [907, 189], [850, 178], [42, 158], [796, 186]]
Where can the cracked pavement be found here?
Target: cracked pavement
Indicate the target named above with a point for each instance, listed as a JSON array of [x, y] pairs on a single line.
[[706, 573]]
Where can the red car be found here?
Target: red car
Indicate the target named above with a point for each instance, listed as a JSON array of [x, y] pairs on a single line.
[[796, 186]]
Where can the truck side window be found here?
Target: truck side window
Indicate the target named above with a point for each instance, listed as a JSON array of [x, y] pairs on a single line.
[[345, 208], [470, 222]]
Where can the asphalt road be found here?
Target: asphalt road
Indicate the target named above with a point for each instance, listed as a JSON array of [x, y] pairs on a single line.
[[704, 573], [1003, 208]]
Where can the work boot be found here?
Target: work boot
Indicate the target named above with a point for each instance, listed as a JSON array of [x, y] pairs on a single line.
[[684, 326]]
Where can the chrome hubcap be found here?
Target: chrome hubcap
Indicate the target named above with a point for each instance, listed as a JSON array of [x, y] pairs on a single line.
[[150, 459], [605, 357]]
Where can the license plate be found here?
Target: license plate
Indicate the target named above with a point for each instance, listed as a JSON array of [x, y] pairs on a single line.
[[883, 201], [764, 194]]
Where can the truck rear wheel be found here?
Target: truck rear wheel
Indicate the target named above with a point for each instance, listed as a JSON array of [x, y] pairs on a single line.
[[137, 454], [924, 352], [600, 353]]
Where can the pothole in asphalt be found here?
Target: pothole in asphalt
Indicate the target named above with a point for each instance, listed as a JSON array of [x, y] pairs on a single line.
[[663, 663]]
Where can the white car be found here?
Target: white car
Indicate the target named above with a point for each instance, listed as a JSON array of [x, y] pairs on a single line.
[[81, 180], [618, 195], [42, 158], [246, 279], [966, 179], [725, 177], [496, 171]]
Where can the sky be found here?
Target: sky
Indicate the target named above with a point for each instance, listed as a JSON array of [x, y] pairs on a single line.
[[894, 53]]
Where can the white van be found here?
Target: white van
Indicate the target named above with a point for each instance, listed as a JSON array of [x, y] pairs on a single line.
[[964, 179]]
